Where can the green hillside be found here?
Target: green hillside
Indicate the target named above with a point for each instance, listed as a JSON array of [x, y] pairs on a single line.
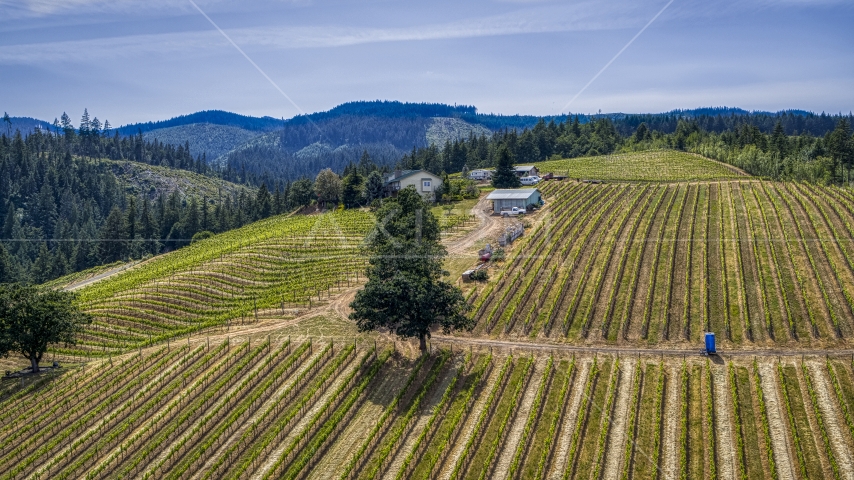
[[759, 263], [653, 166], [282, 263]]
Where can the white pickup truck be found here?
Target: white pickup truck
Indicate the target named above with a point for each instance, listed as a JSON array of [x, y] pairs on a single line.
[[512, 212]]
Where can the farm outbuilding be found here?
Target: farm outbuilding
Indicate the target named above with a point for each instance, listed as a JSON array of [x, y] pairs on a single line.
[[519, 197], [526, 171], [480, 174]]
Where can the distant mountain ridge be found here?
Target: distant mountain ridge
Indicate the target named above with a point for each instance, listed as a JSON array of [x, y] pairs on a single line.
[[254, 149], [214, 117], [211, 139], [26, 125], [390, 109]]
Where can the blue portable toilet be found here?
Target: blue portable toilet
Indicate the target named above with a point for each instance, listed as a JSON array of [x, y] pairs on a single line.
[[710, 344]]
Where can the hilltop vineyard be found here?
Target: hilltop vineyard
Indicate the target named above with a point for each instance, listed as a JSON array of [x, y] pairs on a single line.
[[318, 410], [275, 267], [757, 262]]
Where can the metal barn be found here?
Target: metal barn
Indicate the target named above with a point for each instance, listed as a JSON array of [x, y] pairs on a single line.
[[519, 197]]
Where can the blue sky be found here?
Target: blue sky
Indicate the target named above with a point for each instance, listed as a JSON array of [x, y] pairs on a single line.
[[140, 60]]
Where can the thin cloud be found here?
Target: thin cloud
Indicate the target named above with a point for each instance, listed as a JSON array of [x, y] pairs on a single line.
[[40, 8], [583, 17]]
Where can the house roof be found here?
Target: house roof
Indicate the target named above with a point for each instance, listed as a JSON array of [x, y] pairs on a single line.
[[515, 194], [524, 168], [406, 173]]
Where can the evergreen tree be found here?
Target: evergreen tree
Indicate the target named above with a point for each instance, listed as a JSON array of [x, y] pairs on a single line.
[[528, 150], [42, 269], [366, 165], [10, 222], [405, 292], [44, 214], [8, 269], [642, 133], [263, 202], [84, 123], [112, 241], [505, 174], [840, 146], [351, 190], [192, 221], [148, 228], [278, 201], [374, 187], [130, 220], [778, 141], [205, 212]]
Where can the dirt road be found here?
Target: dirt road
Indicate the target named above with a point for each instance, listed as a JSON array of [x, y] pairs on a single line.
[[107, 273], [490, 226], [625, 350]]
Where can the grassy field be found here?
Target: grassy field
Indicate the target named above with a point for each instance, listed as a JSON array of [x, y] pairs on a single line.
[[659, 166], [454, 216], [759, 263], [309, 409]]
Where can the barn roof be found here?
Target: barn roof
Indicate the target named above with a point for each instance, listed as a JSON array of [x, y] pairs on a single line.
[[515, 194]]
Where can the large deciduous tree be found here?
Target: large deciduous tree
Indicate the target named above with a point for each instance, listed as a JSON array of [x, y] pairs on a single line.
[[32, 318], [300, 193], [327, 187], [405, 292]]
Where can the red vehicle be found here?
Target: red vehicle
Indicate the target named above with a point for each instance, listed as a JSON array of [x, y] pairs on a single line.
[[485, 253]]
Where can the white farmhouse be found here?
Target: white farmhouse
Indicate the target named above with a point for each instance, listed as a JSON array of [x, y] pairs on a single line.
[[424, 182]]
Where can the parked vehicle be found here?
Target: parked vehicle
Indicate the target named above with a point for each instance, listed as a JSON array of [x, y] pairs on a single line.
[[485, 253], [532, 180], [513, 212]]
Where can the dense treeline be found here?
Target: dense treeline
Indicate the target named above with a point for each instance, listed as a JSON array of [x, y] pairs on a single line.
[[93, 139], [62, 210], [738, 140], [708, 120], [546, 140]]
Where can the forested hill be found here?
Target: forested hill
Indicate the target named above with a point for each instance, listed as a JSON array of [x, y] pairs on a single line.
[[24, 124], [82, 198], [214, 117]]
